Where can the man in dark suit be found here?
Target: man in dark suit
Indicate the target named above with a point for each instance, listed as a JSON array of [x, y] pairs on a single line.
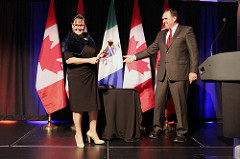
[[177, 68]]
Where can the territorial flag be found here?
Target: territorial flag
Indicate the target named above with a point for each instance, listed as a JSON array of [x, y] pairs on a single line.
[[111, 67]]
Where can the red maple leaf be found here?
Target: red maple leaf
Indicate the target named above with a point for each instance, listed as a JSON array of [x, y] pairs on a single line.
[[48, 56], [139, 65]]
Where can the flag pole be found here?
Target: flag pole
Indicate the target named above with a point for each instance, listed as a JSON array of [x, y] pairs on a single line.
[[167, 127], [49, 125]]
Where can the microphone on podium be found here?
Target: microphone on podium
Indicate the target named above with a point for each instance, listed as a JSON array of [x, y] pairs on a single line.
[[224, 24]]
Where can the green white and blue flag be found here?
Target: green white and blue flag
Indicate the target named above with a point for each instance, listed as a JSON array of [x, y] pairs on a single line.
[[111, 66]]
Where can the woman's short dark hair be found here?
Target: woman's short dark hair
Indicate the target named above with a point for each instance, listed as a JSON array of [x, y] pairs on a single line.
[[78, 16], [173, 12]]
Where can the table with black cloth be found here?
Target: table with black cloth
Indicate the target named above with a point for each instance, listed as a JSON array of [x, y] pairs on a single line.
[[121, 114]]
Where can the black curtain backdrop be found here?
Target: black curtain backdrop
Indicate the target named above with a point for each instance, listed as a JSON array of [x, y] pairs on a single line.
[[22, 25]]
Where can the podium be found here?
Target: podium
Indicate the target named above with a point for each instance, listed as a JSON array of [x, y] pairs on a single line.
[[225, 68]]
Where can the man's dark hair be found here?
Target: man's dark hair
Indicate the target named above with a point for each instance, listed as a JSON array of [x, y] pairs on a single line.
[[79, 16], [173, 12]]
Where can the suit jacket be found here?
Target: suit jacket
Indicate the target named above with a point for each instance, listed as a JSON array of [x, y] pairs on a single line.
[[180, 58]]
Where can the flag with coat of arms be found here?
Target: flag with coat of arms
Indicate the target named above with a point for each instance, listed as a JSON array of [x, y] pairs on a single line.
[[111, 66]]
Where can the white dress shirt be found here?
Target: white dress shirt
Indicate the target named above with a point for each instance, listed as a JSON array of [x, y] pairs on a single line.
[[173, 31]]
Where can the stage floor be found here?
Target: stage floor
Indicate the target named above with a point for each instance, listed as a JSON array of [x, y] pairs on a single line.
[[23, 140]]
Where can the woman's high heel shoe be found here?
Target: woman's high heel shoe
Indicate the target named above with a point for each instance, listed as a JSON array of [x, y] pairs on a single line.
[[97, 142], [79, 145]]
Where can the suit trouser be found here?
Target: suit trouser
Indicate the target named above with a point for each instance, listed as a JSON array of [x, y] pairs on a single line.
[[179, 91]]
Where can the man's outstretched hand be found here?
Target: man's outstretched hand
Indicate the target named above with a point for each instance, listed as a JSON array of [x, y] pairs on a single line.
[[129, 58]]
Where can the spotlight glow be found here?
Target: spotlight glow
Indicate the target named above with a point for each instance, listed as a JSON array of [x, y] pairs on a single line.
[[7, 122], [210, 122], [37, 122]]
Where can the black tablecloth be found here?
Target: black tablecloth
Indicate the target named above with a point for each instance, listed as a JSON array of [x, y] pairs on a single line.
[[121, 114]]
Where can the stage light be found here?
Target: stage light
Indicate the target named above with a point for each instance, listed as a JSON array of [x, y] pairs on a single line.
[[210, 122], [7, 122], [37, 122]]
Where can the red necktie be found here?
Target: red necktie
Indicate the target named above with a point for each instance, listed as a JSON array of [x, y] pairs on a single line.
[[169, 38]]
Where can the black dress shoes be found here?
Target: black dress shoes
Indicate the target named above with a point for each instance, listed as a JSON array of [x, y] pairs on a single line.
[[155, 134], [180, 139]]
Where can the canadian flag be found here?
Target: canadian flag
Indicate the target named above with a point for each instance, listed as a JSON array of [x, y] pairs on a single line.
[[138, 74], [80, 9], [166, 6], [170, 105], [50, 77]]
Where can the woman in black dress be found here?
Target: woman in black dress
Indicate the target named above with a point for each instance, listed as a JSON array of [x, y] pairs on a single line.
[[81, 57]]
